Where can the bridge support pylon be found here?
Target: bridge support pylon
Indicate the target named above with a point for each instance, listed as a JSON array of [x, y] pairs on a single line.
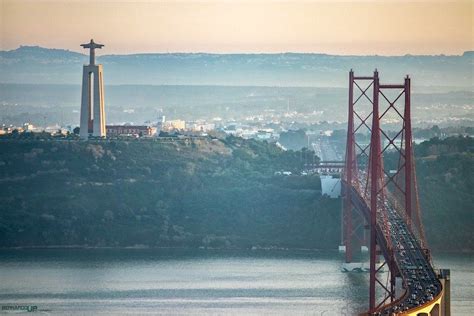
[[385, 195], [353, 224]]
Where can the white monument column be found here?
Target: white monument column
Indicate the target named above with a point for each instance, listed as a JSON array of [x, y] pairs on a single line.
[[92, 102]]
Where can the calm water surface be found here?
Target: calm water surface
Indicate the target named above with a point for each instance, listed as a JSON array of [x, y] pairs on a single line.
[[197, 282]]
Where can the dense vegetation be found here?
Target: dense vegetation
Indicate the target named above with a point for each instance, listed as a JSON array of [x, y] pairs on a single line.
[[202, 192], [445, 170], [193, 193], [294, 140]]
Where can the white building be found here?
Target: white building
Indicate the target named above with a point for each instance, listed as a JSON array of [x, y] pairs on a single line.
[[174, 125]]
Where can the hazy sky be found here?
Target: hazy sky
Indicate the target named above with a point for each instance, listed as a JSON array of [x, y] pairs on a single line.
[[340, 27]]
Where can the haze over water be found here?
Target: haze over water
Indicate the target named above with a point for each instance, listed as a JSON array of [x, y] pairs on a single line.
[[197, 282]]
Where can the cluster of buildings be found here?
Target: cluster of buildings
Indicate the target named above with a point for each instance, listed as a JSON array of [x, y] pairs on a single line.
[[30, 128], [263, 130], [170, 126]]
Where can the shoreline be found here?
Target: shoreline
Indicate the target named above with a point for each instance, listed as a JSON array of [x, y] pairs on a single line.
[[142, 247]]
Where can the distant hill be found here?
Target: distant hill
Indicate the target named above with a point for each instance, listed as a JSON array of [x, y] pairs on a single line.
[[33, 64]]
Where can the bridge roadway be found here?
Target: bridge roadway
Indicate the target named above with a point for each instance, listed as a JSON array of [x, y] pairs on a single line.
[[422, 288]]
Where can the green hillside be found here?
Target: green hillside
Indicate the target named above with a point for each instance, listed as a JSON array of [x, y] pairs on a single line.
[[445, 170], [201, 192]]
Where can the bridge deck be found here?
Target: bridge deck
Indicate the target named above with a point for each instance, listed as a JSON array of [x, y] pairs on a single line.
[[420, 282]]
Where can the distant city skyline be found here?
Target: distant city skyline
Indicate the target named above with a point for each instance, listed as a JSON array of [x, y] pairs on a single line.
[[262, 26]]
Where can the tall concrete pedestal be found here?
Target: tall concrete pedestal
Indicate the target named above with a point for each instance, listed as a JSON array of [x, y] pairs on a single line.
[[92, 103]]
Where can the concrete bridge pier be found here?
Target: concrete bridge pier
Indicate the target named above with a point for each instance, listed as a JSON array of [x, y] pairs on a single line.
[[445, 279]]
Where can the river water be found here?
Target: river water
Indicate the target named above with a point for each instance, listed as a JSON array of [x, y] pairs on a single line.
[[197, 282]]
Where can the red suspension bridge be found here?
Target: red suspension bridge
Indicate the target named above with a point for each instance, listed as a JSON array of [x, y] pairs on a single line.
[[383, 198]]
